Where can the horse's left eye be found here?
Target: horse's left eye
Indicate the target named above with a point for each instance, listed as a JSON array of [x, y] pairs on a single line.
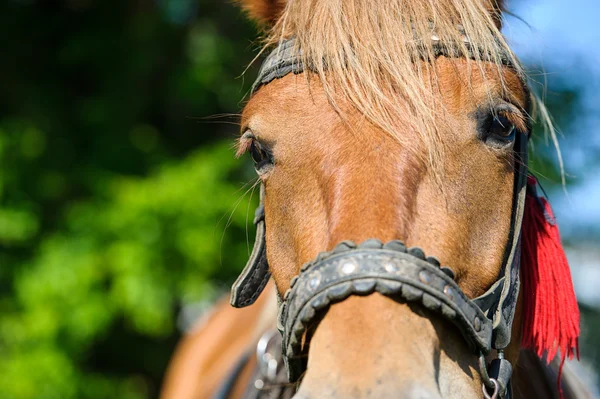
[[502, 128], [259, 155]]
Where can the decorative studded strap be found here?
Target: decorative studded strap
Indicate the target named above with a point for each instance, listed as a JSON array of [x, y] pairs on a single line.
[[391, 270]]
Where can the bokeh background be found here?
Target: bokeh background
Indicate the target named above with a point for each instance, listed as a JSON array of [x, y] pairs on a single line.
[[123, 213]]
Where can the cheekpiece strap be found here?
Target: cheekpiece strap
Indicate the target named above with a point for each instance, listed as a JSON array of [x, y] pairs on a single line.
[[500, 301], [249, 285]]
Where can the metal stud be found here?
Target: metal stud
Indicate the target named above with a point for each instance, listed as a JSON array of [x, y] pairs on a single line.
[[390, 267], [314, 281], [348, 267], [477, 324], [425, 277], [449, 291]]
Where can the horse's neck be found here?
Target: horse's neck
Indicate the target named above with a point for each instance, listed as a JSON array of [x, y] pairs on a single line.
[[207, 354], [534, 379], [267, 312]]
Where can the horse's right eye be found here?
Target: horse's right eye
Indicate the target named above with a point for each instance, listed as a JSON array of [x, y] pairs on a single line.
[[502, 128], [496, 127]]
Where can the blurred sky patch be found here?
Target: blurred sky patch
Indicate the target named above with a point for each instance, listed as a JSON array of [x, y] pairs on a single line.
[[563, 41]]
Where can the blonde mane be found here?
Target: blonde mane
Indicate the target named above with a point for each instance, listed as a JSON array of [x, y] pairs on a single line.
[[363, 51]]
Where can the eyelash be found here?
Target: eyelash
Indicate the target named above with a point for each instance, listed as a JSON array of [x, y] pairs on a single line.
[[260, 154]]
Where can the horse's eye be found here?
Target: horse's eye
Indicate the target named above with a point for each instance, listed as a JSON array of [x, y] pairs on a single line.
[[502, 128], [259, 155]]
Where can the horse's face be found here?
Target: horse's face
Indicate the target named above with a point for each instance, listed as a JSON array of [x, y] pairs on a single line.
[[329, 179]]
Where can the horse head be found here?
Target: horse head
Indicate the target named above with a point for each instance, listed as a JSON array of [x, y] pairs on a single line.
[[389, 139]]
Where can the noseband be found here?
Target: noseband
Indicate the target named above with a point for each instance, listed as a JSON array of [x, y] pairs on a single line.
[[400, 273]]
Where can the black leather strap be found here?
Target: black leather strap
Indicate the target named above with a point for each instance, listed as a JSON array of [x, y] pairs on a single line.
[[500, 301], [251, 282], [501, 370], [286, 58], [282, 61]]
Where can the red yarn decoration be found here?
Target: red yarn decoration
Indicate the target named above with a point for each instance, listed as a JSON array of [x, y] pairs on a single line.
[[550, 310]]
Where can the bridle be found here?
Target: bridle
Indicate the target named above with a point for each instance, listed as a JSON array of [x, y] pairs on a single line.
[[391, 269]]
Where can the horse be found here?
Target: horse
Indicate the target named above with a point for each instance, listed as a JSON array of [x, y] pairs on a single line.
[[402, 247]]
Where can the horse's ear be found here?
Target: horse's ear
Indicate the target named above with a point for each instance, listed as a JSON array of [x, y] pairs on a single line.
[[264, 11]]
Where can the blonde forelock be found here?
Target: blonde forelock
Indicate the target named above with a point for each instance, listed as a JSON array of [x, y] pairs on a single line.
[[364, 52]]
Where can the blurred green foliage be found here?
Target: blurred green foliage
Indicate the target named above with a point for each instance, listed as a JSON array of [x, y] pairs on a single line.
[[115, 189], [133, 256]]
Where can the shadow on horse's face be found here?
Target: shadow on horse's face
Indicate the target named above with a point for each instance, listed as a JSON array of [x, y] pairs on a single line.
[[330, 178]]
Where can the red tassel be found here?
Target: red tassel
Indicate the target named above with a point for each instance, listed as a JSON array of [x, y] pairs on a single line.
[[550, 310]]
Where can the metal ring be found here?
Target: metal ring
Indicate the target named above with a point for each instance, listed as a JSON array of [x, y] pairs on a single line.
[[486, 395], [263, 343], [267, 363], [487, 381]]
